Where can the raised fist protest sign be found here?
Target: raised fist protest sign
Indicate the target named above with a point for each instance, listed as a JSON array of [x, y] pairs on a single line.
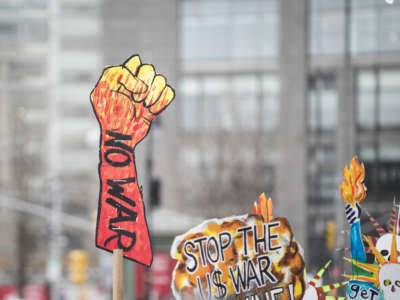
[[125, 100]]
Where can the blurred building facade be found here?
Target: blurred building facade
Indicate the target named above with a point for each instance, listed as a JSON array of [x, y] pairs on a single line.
[[49, 137], [276, 97], [271, 96]]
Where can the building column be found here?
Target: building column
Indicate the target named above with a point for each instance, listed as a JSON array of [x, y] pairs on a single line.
[[291, 170], [346, 125]]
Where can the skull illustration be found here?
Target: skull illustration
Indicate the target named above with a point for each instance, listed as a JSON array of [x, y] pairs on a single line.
[[311, 294], [389, 281], [384, 244]]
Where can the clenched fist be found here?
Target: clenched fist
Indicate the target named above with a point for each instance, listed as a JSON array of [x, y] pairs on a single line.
[[125, 100], [128, 97]]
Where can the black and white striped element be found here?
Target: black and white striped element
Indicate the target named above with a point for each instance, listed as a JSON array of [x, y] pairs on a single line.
[[353, 213]]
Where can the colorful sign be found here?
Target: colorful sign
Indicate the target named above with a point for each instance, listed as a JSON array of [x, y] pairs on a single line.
[[125, 100], [241, 256]]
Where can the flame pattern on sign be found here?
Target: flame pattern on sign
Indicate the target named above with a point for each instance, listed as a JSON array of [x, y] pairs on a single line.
[[352, 189], [264, 207]]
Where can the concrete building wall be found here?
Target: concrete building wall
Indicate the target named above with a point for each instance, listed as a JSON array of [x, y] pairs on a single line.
[[291, 170]]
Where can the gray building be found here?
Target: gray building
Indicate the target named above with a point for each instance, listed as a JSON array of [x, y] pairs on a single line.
[[49, 65], [271, 96], [276, 97]]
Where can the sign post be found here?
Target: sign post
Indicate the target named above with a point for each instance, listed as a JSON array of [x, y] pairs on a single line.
[[118, 275]]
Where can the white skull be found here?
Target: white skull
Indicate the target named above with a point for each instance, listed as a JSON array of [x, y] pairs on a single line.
[[311, 293], [384, 245], [389, 281]]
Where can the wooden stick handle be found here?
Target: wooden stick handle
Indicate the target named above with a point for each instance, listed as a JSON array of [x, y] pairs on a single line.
[[118, 275]]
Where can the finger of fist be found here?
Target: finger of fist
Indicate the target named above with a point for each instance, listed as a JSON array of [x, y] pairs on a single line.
[[164, 100], [155, 90], [158, 95], [120, 79], [146, 74]]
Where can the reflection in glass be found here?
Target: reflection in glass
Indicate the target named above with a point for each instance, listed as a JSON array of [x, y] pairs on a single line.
[[378, 104], [390, 101], [215, 96], [270, 105], [190, 103], [229, 29], [366, 109], [323, 104], [389, 151], [326, 27], [374, 26], [245, 101], [236, 102]]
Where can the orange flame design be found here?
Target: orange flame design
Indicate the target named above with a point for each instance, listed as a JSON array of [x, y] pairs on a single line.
[[264, 208], [352, 189]]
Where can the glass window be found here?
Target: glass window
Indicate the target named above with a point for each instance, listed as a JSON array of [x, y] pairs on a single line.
[[270, 104], [326, 27], [245, 101], [327, 4], [378, 109], [389, 151], [366, 109], [71, 26], [323, 102], [329, 109], [191, 105], [79, 9], [191, 157], [389, 29], [389, 108], [382, 152], [229, 29], [35, 4], [389, 98], [366, 95], [229, 102], [312, 110], [35, 30], [8, 30], [323, 187], [367, 152], [247, 33], [374, 26], [364, 30], [77, 76], [216, 112]]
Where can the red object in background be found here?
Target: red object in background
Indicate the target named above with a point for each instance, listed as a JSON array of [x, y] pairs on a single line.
[[36, 292], [6, 291], [160, 277]]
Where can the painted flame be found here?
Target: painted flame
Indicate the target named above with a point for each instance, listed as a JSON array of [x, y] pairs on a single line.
[[352, 189], [264, 207]]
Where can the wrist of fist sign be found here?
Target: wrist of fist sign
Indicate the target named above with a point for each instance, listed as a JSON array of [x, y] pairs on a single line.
[[353, 213]]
